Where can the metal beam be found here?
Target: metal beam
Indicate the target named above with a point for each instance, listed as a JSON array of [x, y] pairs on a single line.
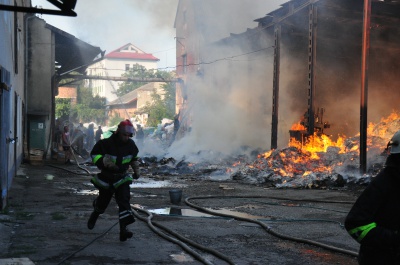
[[123, 79], [63, 12]]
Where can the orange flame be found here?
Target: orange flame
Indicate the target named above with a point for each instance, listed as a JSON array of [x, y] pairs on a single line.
[[305, 158]]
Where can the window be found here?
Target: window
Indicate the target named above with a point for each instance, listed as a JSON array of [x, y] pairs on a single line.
[[126, 67], [184, 63]]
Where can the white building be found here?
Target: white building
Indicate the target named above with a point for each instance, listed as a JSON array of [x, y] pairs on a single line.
[[115, 64]]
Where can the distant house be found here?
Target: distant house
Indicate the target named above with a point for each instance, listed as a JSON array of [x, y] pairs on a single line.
[[128, 106], [115, 64], [69, 93]]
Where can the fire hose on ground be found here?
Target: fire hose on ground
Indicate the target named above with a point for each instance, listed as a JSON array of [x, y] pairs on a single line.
[[266, 227], [184, 242]]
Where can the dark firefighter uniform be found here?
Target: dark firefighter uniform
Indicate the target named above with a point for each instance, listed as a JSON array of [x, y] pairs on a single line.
[[113, 156], [374, 220]]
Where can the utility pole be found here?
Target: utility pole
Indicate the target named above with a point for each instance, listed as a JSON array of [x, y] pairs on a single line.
[[364, 85]]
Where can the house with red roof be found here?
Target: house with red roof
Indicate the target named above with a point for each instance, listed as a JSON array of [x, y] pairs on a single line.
[[129, 105], [115, 64]]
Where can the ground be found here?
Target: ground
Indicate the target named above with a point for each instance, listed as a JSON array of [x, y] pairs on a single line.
[[50, 203]]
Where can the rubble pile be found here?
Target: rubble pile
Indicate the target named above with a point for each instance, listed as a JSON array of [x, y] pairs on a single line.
[[295, 168], [322, 164]]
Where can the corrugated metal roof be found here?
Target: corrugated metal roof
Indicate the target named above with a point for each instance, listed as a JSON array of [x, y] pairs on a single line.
[[72, 53]]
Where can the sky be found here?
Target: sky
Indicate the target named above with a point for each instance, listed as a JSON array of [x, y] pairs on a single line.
[[147, 24]]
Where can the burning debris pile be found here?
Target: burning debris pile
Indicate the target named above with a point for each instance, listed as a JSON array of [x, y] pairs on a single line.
[[321, 162], [295, 168]]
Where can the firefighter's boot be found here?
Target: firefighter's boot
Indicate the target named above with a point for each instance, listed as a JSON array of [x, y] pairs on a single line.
[[93, 217], [92, 220], [124, 233], [125, 218]]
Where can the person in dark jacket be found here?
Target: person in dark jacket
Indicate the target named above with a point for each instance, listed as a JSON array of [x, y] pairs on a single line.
[[374, 219], [98, 134], [113, 156]]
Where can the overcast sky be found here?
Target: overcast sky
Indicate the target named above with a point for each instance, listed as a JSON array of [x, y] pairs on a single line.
[[147, 24]]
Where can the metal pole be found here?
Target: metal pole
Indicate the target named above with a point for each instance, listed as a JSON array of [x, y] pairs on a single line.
[[364, 86], [312, 62], [275, 92]]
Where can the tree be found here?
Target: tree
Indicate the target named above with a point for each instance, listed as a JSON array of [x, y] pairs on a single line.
[[89, 108], [139, 71], [63, 108], [162, 106]]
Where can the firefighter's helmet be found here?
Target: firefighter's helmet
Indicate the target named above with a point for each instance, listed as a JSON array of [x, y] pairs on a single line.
[[394, 143], [126, 127]]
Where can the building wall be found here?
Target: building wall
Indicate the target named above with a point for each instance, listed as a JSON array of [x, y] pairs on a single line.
[[12, 95], [112, 68], [68, 92], [41, 87], [124, 113]]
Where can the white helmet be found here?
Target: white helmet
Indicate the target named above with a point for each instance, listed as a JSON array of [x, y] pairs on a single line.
[[395, 143]]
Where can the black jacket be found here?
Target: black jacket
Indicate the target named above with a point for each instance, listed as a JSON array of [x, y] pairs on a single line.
[[121, 153], [374, 220]]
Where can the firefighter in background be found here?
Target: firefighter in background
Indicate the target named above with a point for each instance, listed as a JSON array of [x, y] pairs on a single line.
[[374, 220], [113, 156]]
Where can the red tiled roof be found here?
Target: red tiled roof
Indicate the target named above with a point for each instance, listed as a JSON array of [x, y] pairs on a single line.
[[138, 55], [131, 55]]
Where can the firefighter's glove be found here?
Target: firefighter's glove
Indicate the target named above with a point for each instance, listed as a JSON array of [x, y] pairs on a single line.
[[136, 169], [109, 164]]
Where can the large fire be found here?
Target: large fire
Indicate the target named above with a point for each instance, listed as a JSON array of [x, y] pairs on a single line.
[[320, 154]]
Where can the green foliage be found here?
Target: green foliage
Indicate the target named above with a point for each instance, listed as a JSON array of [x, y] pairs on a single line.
[[87, 109], [162, 106], [90, 108], [63, 108], [139, 71]]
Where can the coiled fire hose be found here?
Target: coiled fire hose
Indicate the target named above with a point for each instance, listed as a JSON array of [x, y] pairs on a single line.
[[182, 239], [266, 227]]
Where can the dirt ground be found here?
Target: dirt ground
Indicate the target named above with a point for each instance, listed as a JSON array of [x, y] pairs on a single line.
[[49, 206]]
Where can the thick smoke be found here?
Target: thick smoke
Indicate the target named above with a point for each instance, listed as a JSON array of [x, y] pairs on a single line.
[[111, 24], [230, 98], [232, 110]]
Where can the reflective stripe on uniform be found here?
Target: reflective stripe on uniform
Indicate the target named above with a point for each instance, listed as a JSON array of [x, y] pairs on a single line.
[[127, 159], [127, 178], [125, 214], [99, 183], [360, 232], [95, 158]]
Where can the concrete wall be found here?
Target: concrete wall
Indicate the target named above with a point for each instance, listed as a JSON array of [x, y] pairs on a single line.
[[40, 87], [12, 96]]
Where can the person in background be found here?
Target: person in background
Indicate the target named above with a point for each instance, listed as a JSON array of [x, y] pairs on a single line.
[[139, 136], [58, 131], [99, 132], [79, 138], [374, 219], [113, 156], [66, 143], [90, 137], [176, 126]]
